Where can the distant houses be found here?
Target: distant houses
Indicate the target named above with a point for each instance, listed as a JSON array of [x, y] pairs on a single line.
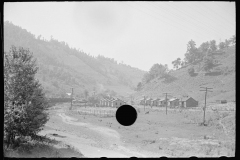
[[171, 102], [111, 102]]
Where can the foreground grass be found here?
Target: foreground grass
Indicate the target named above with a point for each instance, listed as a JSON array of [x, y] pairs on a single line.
[[179, 133], [36, 149]]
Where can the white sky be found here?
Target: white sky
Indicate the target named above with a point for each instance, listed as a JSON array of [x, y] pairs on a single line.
[[138, 33]]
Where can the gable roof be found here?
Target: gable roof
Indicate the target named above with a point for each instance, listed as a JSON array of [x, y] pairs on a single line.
[[155, 99], [173, 99], [186, 98]]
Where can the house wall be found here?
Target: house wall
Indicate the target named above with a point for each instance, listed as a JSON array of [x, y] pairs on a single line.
[[191, 103], [174, 103], [148, 102]]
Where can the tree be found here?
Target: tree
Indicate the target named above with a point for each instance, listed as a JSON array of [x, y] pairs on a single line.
[[227, 43], [24, 100], [233, 40], [213, 46], [221, 45], [204, 47], [176, 63], [146, 78], [191, 71], [157, 70], [208, 63], [190, 55]]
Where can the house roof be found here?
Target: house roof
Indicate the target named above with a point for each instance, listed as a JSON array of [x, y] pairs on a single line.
[[173, 99], [185, 98]]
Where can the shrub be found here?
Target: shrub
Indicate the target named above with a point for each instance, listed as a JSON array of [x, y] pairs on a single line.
[[191, 71]]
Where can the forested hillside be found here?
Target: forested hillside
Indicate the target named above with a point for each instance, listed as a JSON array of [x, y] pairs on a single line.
[[62, 67], [209, 65]]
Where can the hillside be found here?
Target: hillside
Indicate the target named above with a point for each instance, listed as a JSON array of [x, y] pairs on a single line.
[[221, 78], [62, 67]]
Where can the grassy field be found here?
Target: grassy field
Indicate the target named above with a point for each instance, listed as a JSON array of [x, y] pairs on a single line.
[[179, 133]]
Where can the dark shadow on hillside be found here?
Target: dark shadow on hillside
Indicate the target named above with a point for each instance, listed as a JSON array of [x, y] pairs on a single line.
[[213, 74], [193, 74], [218, 52], [218, 64], [169, 79], [196, 62]]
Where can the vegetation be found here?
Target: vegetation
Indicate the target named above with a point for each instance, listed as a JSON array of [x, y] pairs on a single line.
[[24, 101], [62, 67], [208, 63], [157, 70], [176, 63], [191, 71]]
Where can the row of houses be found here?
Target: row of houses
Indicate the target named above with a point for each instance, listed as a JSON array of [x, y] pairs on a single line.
[[111, 102], [171, 102]]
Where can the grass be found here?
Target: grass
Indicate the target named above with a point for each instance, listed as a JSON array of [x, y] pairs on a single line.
[[148, 128], [46, 148]]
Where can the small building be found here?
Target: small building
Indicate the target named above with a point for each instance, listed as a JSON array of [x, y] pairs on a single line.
[[142, 101], [117, 103], [221, 101], [101, 102], [173, 102], [162, 102], [188, 102], [155, 102], [148, 101]]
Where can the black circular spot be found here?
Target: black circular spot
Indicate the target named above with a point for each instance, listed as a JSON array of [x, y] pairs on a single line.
[[126, 115]]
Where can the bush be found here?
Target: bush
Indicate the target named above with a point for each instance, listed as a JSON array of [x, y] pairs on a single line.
[[191, 71], [24, 100]]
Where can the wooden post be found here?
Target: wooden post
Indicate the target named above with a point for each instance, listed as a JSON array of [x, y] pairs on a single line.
[[144, 102], [205, 106], [71, 99], [166, 102]]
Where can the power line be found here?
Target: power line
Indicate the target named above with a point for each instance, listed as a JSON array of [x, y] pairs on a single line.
[[198, 25], [216, 13], [204, 16], [224, 10], [196, 20], [174, 27], [179, 24]]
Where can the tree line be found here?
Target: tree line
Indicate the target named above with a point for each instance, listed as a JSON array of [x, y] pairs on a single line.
[[203, 52], [193, 55]]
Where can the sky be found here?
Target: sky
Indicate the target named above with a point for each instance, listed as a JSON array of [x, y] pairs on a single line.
[[138, 34]]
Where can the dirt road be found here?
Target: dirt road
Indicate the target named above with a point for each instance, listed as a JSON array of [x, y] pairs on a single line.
[[87, 146]]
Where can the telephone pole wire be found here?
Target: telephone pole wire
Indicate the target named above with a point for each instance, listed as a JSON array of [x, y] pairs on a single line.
[[204, 108]]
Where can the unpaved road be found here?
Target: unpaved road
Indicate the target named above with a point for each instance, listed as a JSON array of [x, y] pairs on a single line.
[[87, 146]]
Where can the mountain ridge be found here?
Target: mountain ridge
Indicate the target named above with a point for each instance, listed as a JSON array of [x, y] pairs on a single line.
[[62, 67]]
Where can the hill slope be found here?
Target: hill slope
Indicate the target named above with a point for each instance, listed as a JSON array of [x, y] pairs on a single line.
[[221, 79], [62, 67]]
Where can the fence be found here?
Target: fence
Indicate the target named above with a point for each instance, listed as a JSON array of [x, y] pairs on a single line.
[[99, 113]]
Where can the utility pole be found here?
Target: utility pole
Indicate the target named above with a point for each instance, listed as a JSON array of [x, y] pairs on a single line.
[[204, 108], [144, 102], [166, 101], [71, 99]]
